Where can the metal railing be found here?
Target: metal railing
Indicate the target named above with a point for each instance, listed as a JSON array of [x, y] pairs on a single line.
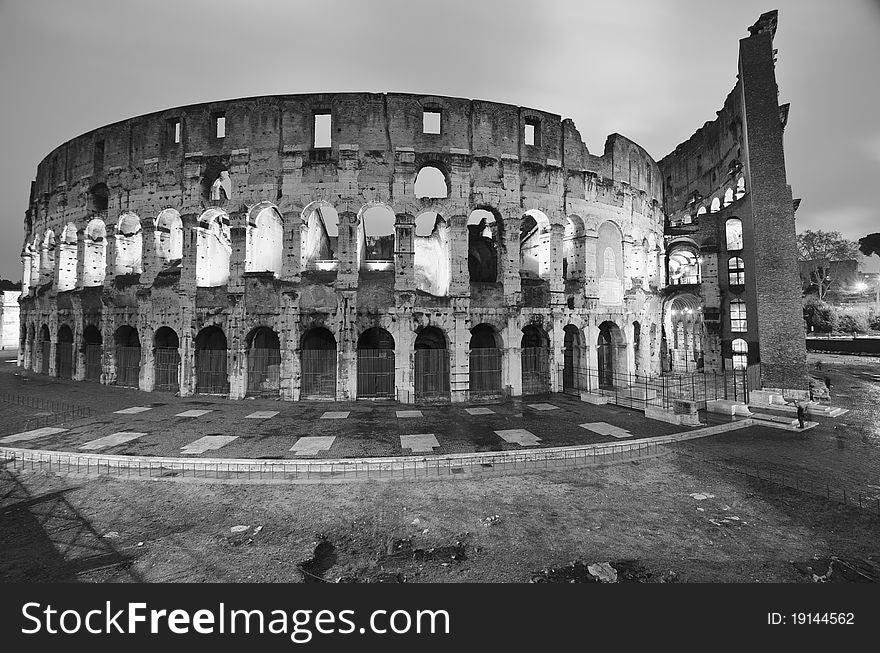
[[431, 373], [535, 370], [128, 366], [211, 374], [485, 371], [264, 372], [318, 370], [166, 366], [64, 360], [375, 373], [92, 355], [59, 411], [638, 391]]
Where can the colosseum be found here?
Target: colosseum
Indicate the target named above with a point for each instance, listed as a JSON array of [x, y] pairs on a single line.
[[412, 247]]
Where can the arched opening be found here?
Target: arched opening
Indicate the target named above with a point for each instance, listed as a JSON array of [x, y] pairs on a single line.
[[740, 349], [375, 364], [610, 355], [485, 361], [129, 245], [320, 239], [45, 349], [572, 366], [431, 183], [740, 188], [715, 206], [728, 197], [535, 357], [213, 249], [574, 262], [431, 364], [166, 360], [637, 346], [431, 254], [733, 232], [221, 188], [95, 253], [683, 320], [263, 363], [609, 264], [264, 240], [683, 264], [169, 239], [318, 364], [64, 353], [483, 239], [92, 349], [211, 360], [47, 255], [376, 239], [67, 259], [128, 356], [534, 246]]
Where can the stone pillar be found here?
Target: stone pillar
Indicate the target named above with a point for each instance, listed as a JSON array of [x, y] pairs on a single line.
[[110, 260], [627, 263], [79, 354], [404, 254], [187, 285], [150, 264], [459, 341], [237, 258], [292, 255], [557, 349], [187, 358], [557, 281], [404, 361], [80, 257], [460, 282], [346, 378], [236, 362], [347, 275], [508, 260], [512, 364]]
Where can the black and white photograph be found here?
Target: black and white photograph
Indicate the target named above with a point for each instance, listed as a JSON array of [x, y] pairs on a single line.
[[476, 296]]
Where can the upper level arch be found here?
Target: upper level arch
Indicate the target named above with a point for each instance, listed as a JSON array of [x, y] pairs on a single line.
[[264, 239]]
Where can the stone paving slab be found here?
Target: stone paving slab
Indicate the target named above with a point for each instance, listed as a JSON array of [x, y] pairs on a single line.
[[480, 411], [111, 440], [208, 443], [134, 410], [311, 445], [336, 414], [262, 414], [543, 407], [193, 413], [604, 428], [419, 442], [521, 437], [32, 435], [409, 413]]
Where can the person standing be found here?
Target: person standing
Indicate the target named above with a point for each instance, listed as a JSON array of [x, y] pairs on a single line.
[[801, 412]]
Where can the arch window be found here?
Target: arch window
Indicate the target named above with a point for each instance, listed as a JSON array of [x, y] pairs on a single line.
[[534, 245], [168, 235], [733, 234], [47, 254], [376, 238], [264, 240], [129, 245], [67, 259], [740, 188], [213, 249], [432, 256], [321, 239], [431, 183], [483, 246], [728, 197], [94, 253], [609, 264], [684, 266], [740, 354], [715, 206], [736, 271], [738, 322]]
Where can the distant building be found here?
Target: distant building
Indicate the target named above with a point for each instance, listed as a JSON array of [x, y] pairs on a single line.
[[9, 319]]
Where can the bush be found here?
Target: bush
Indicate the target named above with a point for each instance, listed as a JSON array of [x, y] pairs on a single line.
[[819, 315], [853, 321], [874, 321]]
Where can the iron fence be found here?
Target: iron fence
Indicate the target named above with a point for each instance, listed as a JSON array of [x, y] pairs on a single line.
[[46, 350], [638, 391], [128, 366], [535, 370], [431, 373], [375, 373], [264, 372], [318, 369], [485, 371], [92, 355], [59, 411], [64, 360], [211, 375], [166, 367]]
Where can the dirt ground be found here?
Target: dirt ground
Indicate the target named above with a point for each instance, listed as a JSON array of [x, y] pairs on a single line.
[[641, 517]]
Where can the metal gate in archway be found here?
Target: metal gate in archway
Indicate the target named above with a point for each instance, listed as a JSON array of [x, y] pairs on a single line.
[[535, 370], [431, 373], [318, 373], [375, 373]]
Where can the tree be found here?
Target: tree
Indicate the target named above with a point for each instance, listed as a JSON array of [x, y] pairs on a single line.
[[870, 245], [817, 249]]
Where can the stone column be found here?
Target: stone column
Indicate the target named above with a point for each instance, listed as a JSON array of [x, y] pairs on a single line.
[[346, 378], [404, 254], [80, 257], [292, 246], [460, 283], [237, 258], [512, 364], [187, 285], [508, 260], [149, 256], [236, 362], [110, 257], [347, 275], [459, 341]]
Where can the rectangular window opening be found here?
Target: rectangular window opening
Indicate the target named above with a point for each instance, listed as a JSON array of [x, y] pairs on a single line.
[[220, 126], [529, 136], [431, 121], [322, 130]]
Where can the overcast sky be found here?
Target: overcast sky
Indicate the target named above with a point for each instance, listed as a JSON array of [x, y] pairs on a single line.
[[652, 70]]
